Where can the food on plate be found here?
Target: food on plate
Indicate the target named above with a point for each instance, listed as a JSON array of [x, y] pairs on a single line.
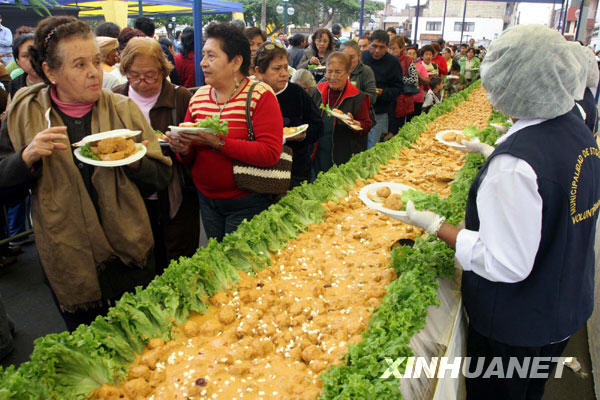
[[110, 149], [384, 191], [455, 137], [289, 131], [393, 202], [213, 123], [160, 136]]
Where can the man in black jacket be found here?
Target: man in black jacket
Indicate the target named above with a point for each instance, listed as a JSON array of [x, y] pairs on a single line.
[[388, 75]]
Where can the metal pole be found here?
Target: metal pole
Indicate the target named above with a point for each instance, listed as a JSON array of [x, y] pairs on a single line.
[[462, 28], [197, 15], [140, 8], [560, 16], [285, 6], [564, 25], [417, 21], [444, 19], [362, 17], [579, 20]]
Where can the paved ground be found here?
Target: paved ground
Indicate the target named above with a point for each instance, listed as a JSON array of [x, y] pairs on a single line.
[[29, 303]]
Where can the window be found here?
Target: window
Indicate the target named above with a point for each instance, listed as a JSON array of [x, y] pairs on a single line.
[[469, 26], [433, 26]]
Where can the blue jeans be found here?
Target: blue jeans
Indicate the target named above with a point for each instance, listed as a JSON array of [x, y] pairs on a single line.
[[16, 218], [222, 216], [378, 129]]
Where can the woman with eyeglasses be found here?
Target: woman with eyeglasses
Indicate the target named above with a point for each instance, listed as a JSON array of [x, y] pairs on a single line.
[[320, 48], [297, 108], [340, 141], [174, 212], [225, 64], [91, 228]]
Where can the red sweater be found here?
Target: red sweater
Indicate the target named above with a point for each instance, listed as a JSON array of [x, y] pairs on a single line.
[[186, 69], [212, 170], [441, 63]]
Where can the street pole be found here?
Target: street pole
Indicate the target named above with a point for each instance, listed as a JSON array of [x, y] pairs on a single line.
[[140, 8], [362, 17], [197, 15], [444, 19], [462, 28], [263, 15], [562, 5], [579, 20], [564, 25], [417, 21]]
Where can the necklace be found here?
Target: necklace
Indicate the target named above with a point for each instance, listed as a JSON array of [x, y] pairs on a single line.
[[237, 85], [339, 97]]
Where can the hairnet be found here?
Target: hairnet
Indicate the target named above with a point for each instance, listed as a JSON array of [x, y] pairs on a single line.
[[592, 64], [304, 76], [577, 51], [530, 72]]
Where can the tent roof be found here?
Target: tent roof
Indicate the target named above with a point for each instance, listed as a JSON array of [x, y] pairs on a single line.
[[93, 8]]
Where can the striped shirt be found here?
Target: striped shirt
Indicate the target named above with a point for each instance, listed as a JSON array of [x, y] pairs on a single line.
[[212, 170]]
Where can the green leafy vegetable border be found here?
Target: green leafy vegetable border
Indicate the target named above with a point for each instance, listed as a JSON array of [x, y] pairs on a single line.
[[71, 365]]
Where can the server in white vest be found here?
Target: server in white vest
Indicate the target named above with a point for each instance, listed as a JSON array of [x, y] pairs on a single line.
[[527, 249]]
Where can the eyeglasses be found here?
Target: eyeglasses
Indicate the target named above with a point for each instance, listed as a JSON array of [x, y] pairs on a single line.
[[148, 77]]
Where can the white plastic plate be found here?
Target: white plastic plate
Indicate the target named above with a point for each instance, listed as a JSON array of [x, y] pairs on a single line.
[[141, 152], [451, 77], [177, 130], [394, 187], [440, 137], [299, 129], [126, 133]]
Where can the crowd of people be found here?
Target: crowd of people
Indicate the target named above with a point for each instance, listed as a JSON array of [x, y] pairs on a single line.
[[102, 231]]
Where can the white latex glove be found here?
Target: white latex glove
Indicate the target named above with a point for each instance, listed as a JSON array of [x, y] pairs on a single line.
[[478, 147], [427, 220]]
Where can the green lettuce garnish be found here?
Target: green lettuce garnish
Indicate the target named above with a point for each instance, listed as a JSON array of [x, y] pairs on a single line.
[[214, 123], [86, 151]]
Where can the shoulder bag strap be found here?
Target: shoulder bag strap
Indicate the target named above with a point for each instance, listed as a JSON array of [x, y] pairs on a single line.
[[174, 110], [248, 118]]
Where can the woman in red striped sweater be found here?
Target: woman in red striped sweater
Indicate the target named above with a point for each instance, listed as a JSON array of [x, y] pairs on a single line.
[[225, 63]]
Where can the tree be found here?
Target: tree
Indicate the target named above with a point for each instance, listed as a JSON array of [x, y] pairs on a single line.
[[316, 13]]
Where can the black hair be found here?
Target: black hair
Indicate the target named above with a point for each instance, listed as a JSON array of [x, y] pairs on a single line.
[[434, 81], [109, 29], [296, 40], [233, 42], [146, 25], [253, 31], [380, 36], [317, 35], [48, 34], [177, 33], [18, 42], [165, 41], [390, 29], [187, 41], [407, 40], [427, 47], [455, 67], [238, 23], [464, 45], [336, 29], [472, 48]]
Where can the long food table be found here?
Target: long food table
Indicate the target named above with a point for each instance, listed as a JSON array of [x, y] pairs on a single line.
[[307, 299]]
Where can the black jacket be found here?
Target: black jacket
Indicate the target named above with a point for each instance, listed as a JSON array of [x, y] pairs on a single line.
[[388, 75]]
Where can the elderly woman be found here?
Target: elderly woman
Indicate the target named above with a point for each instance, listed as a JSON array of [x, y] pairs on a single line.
[[530, 218], [256, 37], [297, 108], [320, 48], [91, 227], [225, 63], [306, 80], [361, 75], [339, 141], [173, 212], [109, 52]]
